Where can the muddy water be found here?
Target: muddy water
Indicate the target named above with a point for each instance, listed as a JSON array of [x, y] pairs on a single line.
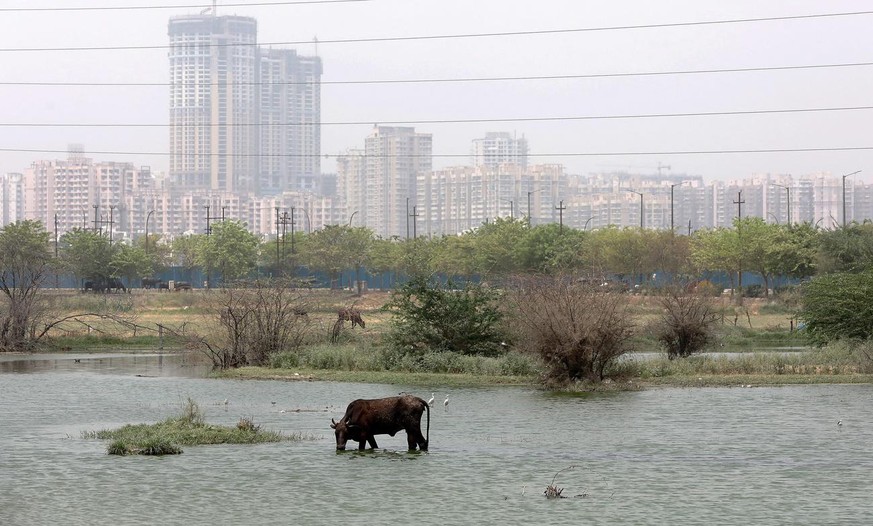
[[664, 456]]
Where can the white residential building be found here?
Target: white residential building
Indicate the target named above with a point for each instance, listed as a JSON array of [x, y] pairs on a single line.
[[394, 158], [498, 148]]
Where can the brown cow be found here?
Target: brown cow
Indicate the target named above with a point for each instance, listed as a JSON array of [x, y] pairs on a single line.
[[366, 418], [350, 314]]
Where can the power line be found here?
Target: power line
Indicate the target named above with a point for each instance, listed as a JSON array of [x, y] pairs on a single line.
[[467, 155], [457, 35], [445, 121], [459, 79], [179, 6]]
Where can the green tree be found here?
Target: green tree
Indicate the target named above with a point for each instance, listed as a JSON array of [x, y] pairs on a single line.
[[184, 250], [454, 255], [551, 249], [717, 250], [667, 252], [157, 251], [848, 249], [431, 317], [336, 248], [418, 258], [88, 255], [25, 262], [837, 306], [496, 246], [384, 257], [130, 263], [230, 249], [620, 251], [795, 249], [758, 243]]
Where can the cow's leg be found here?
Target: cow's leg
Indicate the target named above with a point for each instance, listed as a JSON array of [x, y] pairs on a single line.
[[361, 444], [416, 438], [372, 441]]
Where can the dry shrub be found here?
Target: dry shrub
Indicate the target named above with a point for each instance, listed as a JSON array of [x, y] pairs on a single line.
[[686, 323], [257, 319], [578, 329]]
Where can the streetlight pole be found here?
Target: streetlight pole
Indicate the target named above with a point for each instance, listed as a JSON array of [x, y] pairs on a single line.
[[788, 198], [844, 195], [586, 223], [642, 209], [148, 216]]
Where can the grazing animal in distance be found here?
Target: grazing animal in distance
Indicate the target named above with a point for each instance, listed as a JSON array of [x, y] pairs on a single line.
[[351, 314], [364, 419], [149, 283]]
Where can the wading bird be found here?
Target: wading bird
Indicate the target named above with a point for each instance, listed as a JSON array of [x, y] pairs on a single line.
[[446, 403], [430, 402]]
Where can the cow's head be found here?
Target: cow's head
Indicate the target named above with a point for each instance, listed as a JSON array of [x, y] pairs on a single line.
[[344, 431]]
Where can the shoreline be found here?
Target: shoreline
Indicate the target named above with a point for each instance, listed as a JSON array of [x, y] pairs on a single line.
[[467, 380]]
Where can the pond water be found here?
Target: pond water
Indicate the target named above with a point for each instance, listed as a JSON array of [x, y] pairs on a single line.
[[663, 456]]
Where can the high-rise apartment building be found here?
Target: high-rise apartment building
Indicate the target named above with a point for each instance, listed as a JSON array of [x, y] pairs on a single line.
[[498, 148], [81, 193], [213, 102], [11, 198], [351, 172], [242, 118], [290, 117], [395, 156]]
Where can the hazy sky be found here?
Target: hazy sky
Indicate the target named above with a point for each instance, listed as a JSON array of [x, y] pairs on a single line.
[[813, 41]]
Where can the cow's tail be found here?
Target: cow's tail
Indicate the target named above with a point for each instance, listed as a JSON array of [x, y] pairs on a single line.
[[427, 432]]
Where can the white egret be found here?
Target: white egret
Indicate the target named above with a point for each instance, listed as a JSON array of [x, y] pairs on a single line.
[[446, 403], [430, 402]]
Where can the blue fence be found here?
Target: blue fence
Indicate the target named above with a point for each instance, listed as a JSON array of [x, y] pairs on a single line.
[[389, 280]]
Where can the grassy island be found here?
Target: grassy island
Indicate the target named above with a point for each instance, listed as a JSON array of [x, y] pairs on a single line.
[[187, 429]]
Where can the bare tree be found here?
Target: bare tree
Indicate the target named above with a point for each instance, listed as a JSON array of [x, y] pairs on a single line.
[[687, 322], [256, 319], [577, 328]]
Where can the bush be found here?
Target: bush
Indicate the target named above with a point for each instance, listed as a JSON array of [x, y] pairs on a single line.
[[838, 306], [577, 329], [256, 320], [754, 291], [431, 317], [686, 324]]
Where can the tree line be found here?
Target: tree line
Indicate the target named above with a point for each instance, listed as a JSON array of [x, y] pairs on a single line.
[[429, 316], [503, 247]]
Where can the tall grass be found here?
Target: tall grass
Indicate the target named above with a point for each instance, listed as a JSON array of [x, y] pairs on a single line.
[[839, 359], [364, 357]]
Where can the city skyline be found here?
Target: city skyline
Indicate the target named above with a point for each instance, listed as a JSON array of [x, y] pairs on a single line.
[[664, 45]]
